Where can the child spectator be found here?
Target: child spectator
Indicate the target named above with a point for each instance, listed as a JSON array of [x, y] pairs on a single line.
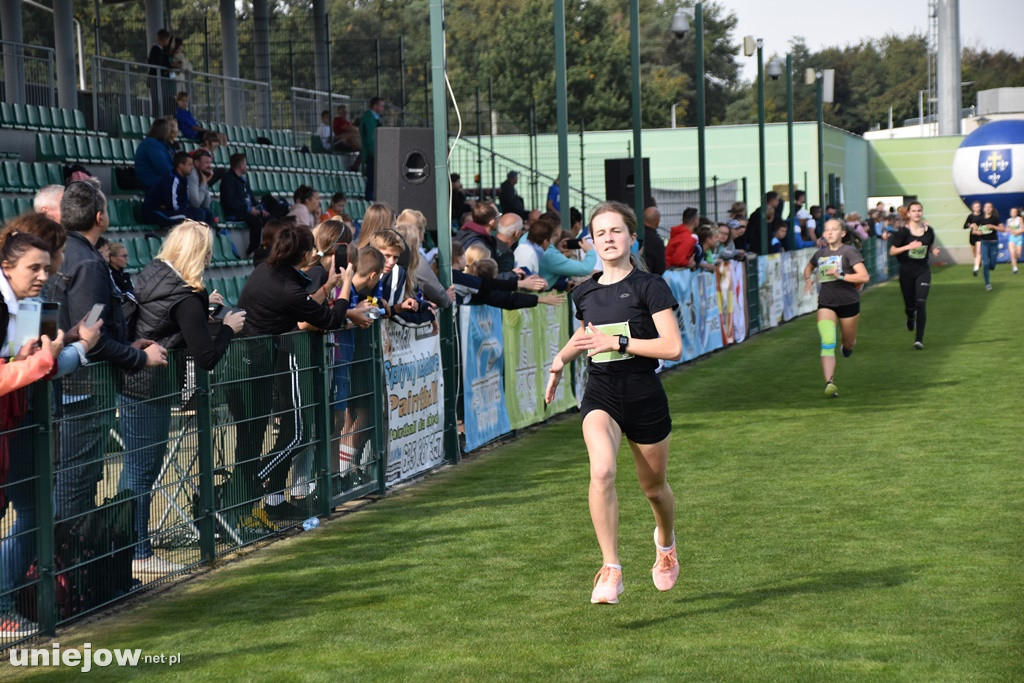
[[187, 123]]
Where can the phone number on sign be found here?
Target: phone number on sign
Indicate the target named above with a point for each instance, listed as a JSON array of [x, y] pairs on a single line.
[[421, 454]]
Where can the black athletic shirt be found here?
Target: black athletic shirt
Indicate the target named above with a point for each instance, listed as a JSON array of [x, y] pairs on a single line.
[[627, 307], [918, 256], [987, 233]]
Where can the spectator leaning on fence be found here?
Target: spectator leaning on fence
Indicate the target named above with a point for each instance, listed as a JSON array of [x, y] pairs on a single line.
[[510, 229], [554, 265], [682, 243], [87, 401], [654, 248], [530, 249], [411, 225], [154, 158], [172, 311], [276, 300]]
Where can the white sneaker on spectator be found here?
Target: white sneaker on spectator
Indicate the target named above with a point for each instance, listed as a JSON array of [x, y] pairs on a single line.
[[154, 565]]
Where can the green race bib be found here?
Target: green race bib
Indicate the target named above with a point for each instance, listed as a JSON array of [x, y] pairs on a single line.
[[614, 329]]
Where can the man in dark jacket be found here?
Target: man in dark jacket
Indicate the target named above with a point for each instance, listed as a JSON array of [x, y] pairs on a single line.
[[237, 202], [87, 397], [166, 203], [509, 199], [160, 81], [654, 248]]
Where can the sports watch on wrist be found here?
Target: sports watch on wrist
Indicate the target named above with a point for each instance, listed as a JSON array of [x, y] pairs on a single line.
[[623, 343]]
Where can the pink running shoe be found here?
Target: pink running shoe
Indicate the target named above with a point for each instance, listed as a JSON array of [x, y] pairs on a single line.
[[607, 586], [666, 567]]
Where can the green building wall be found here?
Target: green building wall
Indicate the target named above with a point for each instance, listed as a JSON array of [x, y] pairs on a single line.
[[731, 154]]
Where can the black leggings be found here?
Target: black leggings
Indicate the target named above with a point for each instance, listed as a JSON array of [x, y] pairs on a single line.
[[915, 285]]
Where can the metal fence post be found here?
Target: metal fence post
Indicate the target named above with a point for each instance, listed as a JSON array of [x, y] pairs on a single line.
[[42, 400], [753, 297], [381, 412], [324, 424], [714, 181], [204, 421]]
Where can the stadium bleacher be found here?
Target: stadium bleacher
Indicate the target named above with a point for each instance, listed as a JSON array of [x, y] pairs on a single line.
[[61, 136]]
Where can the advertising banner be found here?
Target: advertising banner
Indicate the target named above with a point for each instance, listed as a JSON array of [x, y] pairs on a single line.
[[770, 291], [532, 337], [483, 394], [738, 289], [415, 389], [806, 302]]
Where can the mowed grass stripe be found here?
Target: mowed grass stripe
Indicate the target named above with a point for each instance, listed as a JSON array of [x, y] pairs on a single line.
[[877, 535]]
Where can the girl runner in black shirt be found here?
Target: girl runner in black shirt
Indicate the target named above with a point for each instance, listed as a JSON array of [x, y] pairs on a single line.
[[911, 245], [628, 324], [988, 231]]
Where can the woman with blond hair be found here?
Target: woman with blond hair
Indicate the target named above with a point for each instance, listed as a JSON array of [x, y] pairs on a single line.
[[378, 217], [412, 226], [172, 311]]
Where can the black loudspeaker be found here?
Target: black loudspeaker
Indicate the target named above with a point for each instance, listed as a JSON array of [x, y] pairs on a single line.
[[619, 181], [405, 170]]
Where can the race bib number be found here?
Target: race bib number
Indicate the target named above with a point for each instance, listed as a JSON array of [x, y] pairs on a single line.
[[614, 329], [918, 252], [827, 262]]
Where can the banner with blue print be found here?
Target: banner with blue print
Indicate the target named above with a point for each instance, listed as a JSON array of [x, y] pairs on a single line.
[[699, 314], [483, 369]]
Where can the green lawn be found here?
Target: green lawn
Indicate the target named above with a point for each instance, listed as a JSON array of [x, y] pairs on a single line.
[[875, 536]]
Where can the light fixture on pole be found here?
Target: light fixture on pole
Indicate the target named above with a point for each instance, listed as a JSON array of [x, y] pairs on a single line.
[[824, 82], [680, 27], [775, 69], [750, 46]]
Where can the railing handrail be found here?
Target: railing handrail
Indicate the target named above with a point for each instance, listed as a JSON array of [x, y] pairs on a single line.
[[99, 60], [319, 93], [13, 43]]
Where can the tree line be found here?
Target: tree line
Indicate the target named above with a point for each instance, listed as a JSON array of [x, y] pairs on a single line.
[[509, 46]]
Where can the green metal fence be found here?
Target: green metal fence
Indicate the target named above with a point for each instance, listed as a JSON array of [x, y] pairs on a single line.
[[165, 470]]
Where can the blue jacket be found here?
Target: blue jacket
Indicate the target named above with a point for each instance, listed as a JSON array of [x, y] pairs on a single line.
[[187, 123], [554, 263], [168, 199], [154, 159]]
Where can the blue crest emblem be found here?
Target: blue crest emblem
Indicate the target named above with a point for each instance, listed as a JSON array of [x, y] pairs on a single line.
[[995, 166]]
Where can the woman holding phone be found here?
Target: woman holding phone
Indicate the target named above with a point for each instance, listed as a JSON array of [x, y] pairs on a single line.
[[25, 264], [627, 326], [172, 311]]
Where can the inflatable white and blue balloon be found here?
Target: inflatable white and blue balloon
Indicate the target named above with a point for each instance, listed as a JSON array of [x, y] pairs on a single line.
[[989, 167]]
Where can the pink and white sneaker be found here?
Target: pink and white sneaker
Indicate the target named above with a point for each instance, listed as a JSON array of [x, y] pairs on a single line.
[[666, 566], [607, 586]]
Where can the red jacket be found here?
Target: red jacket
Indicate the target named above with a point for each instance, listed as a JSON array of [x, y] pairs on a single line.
[[680, 247]]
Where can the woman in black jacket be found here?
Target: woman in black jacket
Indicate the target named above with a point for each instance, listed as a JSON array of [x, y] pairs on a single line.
[[276, 300], [172, 310]]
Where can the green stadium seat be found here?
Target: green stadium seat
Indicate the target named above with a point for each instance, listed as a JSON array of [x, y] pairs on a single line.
[[219, 257], [10, 177], [45, 118], [78, 117], [231, 290], [133, 257], [40, 175], [6, 115], [8, 209], [107, 151], [32, 116], [155, 243], [123, 125], [92, 149], [24, 204], [20, 115], [44, 147]]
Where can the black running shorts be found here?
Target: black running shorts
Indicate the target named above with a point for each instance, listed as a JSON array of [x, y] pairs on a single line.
[[637, 403], [845, 310]]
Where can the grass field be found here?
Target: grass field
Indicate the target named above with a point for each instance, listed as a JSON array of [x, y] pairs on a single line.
[[876, 536]]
